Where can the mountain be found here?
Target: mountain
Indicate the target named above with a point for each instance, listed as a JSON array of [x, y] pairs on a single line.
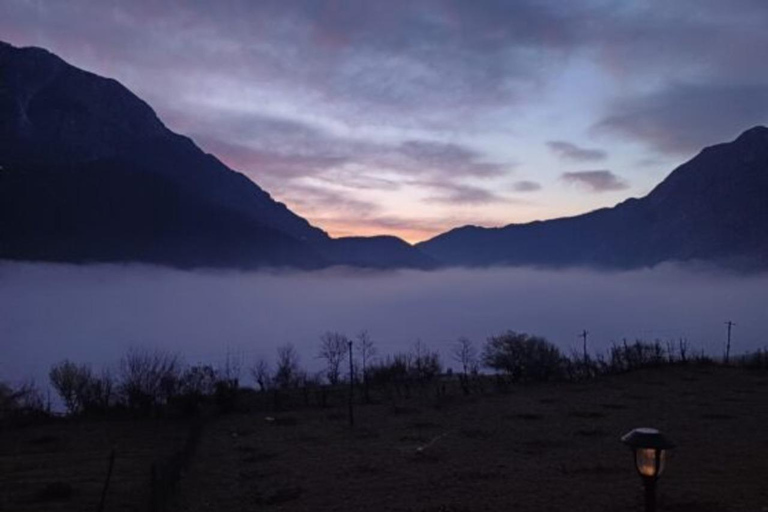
[[376, 252], [713, 208], [89, 173]]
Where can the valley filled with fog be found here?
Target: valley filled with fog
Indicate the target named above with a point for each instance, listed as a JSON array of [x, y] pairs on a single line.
[[94, 314]]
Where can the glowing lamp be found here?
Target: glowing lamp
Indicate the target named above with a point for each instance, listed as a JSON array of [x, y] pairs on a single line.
[[649, 447]]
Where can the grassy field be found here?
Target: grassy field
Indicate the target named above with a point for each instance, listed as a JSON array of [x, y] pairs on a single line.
[[539, 447]]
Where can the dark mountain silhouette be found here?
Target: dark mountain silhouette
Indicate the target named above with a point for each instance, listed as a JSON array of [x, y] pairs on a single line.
[[376, 252], [713, 208], [89, 173]]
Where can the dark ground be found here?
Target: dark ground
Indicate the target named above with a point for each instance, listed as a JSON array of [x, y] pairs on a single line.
[[539, 447]]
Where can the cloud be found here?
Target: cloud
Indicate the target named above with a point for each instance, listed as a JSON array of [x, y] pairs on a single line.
[[569, 151], [314, 200], [682, 118], [595, 181], [369, 96], [456, 159], [459, 193], [355, 58], [267, 164], [526, 186], [272, 146]]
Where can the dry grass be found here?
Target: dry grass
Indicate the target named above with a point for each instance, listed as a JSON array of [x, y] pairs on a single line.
[[61, 466], [536, 448]]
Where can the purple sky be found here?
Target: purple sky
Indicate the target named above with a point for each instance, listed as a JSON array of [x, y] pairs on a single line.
[[412, 117]]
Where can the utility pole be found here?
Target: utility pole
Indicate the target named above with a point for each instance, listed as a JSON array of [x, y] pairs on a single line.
[[584, 335], [728, 346], [351, 388]]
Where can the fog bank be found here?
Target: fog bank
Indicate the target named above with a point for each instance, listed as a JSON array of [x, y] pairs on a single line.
[[94, 313]]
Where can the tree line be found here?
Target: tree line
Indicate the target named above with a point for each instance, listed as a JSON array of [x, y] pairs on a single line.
[[147, 381]]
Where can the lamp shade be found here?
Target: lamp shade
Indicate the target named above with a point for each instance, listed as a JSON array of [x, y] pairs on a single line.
[[649, 446]]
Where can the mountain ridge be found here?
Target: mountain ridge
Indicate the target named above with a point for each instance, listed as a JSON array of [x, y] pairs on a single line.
[[89, 172], [711, 208], [56, 120]]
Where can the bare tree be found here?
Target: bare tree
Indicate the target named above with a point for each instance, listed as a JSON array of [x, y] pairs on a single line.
[[333, 348], [288, 371], [262, 374], [465, 354], [367, 352]]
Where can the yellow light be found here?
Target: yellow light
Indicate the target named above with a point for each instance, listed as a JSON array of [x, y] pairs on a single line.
[[645, 459]]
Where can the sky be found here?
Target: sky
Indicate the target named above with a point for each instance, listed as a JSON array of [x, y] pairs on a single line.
[[413, 117]]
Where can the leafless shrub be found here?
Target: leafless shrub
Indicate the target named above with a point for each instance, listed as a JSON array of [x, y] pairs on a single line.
[[579, 367], [288, 372], [99, 393], [630, 356], [231, 369], [425, 364], [228, 381], [757, 360], [71, 382], [199, 381], [23, 400], [262, 374], [393, 369], [148, 378]]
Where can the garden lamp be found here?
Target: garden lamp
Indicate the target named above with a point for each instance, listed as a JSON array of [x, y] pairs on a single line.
[[649, 447]]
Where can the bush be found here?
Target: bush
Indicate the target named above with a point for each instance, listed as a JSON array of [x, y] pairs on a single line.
[[425, 364], [288, 373], [640, 354], [262, 374], [195, 384], [71, 382], [79, 389], [523, 357], [393, 369], [148, 378], [22, 401], [757, 360], [198, 381]]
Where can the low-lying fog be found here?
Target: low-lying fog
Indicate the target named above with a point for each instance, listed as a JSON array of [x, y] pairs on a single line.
[[94, 313]]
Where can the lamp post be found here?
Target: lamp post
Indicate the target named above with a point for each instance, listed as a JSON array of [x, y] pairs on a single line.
[[649, 447]]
